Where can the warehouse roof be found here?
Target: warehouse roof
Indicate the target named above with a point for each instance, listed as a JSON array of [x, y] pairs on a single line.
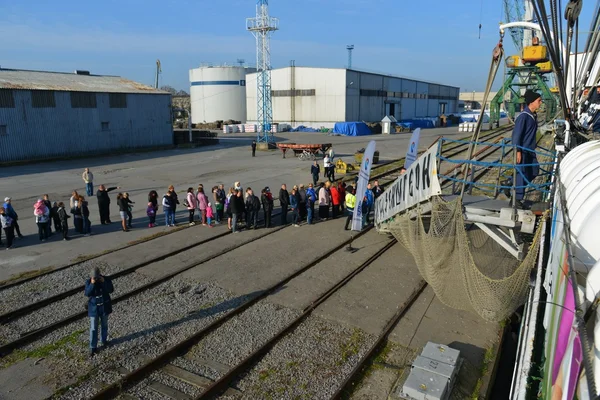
[[79, 81]]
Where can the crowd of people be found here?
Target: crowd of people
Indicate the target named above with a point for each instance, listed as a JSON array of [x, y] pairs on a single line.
[[236, 206]]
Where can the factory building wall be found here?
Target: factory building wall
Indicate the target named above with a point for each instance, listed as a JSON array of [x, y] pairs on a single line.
[[55, 128], [302, 95]]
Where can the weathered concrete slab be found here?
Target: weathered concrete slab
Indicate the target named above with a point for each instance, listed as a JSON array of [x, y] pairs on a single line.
[[299, 292], [266, 261], [29, 384]]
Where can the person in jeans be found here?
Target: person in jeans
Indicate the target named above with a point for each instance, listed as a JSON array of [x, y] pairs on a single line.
[[129, 209], [122, 203], [191, 204], [42, 217], [294, 207], [98, 289], [167, 204], [63, 217], [209, 215], [7, 226], [220, 197], [311, 199], [88, 178]]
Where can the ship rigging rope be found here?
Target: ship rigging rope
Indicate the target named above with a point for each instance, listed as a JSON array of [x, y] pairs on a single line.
[[497, 57]]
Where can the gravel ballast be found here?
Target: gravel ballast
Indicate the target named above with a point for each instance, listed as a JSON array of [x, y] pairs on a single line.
[[309, 363]]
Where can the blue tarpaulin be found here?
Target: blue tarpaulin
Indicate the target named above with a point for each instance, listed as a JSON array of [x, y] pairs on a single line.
[[419, 123], [351, 129], [303, 128]]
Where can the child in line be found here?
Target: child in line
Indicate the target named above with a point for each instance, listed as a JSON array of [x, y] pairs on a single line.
[[151, 212], [209, 215]]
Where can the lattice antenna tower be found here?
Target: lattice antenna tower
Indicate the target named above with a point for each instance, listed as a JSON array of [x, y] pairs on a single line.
[[350, 47], [261, 27]]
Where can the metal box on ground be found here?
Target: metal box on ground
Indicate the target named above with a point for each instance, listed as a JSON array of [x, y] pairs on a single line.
[[432, 374]]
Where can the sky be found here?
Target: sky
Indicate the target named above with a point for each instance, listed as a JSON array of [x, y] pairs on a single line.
[[433, 40]]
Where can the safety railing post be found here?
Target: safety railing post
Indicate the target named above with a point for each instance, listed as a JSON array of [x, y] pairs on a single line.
[[503, 154], [514, 180]]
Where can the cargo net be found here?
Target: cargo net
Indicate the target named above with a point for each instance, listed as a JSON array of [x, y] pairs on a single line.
[[466, 268]]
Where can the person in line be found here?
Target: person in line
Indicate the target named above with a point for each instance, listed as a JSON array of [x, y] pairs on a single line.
[[73, 199], [252, 209], [191, 203], [85, 217], [104, 203], [311, 199], [48, 205], [168, 202], [221, 195], [7, 225], [98, 289], [77, 217], [42, 216], [202, 203], [335, 201], [10, 211], [237, 209], [122, 202], [267, 204], [342, 190], [524, 141], [238, 186], [253, 148], [152, 200], [174, 203], [54, 217], [294, 207], [151, 213], [331, 155], [228, 199], [129, 209], [370, 202], [350, 204], [209, 215], [63, 217], [88, 178], [324, 201], [377, 190], [219, 206], [302, 202], [284, 201], [315, 170]]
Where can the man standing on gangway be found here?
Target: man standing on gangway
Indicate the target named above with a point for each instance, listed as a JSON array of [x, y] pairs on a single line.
[[524, 140]]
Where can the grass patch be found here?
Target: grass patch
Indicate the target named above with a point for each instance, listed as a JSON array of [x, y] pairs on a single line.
[[26, 275], [60, 392], [44, 351], [488, 357], [351, 347], [265, 374], [87, 257]]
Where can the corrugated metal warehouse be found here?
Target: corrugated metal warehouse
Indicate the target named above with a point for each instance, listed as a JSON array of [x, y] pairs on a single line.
[[324, 96], [51, 114]]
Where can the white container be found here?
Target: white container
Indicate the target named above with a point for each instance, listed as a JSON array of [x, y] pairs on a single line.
[[218, 93]]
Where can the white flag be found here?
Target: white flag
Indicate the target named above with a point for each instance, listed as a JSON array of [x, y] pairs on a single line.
[[361, 186], [413, 149]]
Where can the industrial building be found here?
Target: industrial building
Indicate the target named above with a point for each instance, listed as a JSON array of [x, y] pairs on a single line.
[[51, 114], [323, 96], [218, 93]]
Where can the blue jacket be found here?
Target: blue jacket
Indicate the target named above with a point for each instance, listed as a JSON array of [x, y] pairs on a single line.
[[10, 211], [99, 302], [315, 169], [525, 130], [310, 194], [293, 202], [370, 197]]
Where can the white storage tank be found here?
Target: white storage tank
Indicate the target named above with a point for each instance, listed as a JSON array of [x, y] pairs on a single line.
[[218, 93]]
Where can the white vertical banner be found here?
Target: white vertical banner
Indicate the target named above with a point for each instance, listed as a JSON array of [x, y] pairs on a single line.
[[361, 185], [413, 149]]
